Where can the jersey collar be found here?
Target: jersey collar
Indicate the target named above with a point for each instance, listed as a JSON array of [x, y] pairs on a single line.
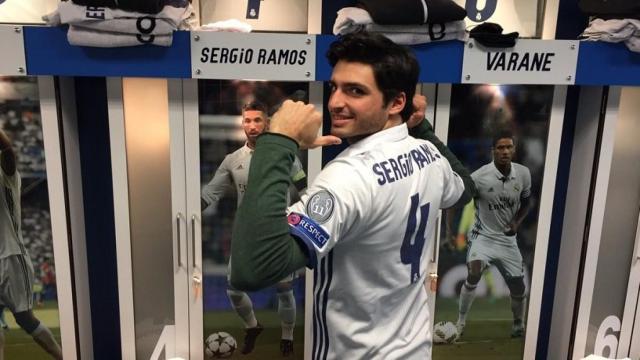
[[392, 134], [512, 173], [246, 148]]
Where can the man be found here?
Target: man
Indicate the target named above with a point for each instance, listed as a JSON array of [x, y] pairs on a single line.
[[16, 270], [234, 171], [363, 223], [502, 202]]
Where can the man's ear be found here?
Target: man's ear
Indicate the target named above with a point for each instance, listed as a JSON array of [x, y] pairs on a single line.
[[398, 103]]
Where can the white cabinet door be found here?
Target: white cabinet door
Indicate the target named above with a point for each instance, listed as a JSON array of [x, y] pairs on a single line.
[[630, 329], [213, 130], [467, 118], [145, 124], [611, 275]]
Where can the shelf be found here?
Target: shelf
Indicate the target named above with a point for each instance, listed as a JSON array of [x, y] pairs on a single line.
[[47, 52]]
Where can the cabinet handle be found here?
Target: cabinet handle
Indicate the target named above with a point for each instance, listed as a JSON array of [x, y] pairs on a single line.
[[193, 239], [638, 238], [178, 240], [436, 242]]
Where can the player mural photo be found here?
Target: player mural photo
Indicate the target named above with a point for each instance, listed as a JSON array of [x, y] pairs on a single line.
[[486, 253], [28, 306], [267, 324], [362, 223]]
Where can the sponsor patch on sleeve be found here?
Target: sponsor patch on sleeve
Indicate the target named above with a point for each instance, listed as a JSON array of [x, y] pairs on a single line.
[[320, 206], [307, 229]]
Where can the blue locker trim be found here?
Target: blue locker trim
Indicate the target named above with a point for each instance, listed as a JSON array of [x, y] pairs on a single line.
[[557, 220], [607, 64], [440, 62], [97, 190], [571, 22], [48, 52], [323, 69]]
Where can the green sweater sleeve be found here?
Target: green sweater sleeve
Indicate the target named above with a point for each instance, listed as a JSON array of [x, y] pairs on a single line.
[[262, 250], [425, 131]]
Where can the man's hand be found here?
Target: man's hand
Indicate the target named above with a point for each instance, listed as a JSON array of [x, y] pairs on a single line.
[[448, 243], [419, 110], [511, 229], [301, 122]]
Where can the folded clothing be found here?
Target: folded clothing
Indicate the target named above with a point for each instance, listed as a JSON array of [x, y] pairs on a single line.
[[351, 19], [404, 12], [416, 39], [490, 35], [107, 27], [615, 30], [144, 6], [70, 13], [86, 37]]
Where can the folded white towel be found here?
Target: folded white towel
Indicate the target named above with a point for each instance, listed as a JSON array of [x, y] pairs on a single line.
[[351, 19], [596, 357], [616, 30], [231, 25], [633, 44]]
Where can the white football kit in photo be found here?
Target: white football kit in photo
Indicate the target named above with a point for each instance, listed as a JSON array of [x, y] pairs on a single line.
[[497, 202]]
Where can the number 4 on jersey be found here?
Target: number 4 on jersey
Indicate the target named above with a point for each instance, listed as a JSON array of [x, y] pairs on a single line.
[[411, 249]]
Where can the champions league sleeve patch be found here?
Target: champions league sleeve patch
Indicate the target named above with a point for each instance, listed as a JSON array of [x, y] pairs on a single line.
[[320, 206], [308, 230]]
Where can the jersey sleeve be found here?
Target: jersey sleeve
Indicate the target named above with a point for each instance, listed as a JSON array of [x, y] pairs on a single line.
[[262, 248], [453, 187], [424, 131], [526, 183], [331, 207], [221, 182], [475, 177]]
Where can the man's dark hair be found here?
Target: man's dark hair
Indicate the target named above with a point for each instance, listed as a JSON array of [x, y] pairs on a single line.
[[395, 67], [502, 134], [256, 106]]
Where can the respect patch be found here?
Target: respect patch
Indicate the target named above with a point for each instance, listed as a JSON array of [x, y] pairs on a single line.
[[307, 229]]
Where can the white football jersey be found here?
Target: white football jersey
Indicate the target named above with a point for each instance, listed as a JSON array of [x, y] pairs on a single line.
[[498, 200], [365, 221], [10, 215], [234, 171]]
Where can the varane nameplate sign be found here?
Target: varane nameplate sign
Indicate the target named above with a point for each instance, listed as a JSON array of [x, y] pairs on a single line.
[[284, 57], [529, 62]]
